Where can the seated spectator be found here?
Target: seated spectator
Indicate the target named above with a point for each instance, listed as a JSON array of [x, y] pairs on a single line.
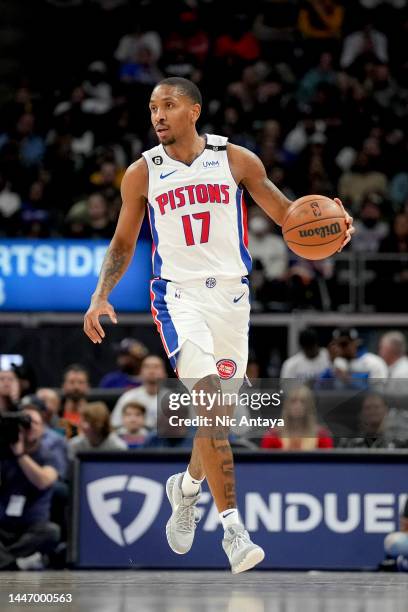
[[52, 403], [270, 255], [131, 353], [393, 349], [373, 426], [392, 275], [362, 46], [370, 228], [52, 441], [396, 546], [10, 205], [321, 19], [133, 431], [152, 374], [75, 390], [301, 430], [99, 224], [27, 479], [309, 362], [130, 44], [361, 179], [9, 390], [96, 433], [169, 435], [353, 366]]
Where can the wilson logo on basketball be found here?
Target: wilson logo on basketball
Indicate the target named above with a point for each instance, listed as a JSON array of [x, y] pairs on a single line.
[[322, 231], [226, 368]]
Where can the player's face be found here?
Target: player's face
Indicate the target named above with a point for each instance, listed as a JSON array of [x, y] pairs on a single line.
[[172, 113]]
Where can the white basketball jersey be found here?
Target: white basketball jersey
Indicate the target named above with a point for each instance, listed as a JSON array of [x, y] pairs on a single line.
[[197, 215]]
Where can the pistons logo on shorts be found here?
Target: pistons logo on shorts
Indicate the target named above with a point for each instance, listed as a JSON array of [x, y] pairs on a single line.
[[226, 368]]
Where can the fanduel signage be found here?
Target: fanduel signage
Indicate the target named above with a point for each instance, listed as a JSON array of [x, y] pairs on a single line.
[[312, 515], [62, 274]]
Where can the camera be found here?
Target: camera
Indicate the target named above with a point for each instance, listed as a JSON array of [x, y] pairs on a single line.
[[10, 423]]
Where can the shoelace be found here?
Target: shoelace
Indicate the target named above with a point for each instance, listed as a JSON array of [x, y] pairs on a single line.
[[187, 518], [239, 538]]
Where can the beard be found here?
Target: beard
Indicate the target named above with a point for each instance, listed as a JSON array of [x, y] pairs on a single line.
[[75, 396], [168, 141]]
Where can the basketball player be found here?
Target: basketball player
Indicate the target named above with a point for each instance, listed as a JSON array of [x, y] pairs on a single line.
[[192, 187]]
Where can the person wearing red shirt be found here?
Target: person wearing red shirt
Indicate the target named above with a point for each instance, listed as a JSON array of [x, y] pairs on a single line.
[[301, 430]]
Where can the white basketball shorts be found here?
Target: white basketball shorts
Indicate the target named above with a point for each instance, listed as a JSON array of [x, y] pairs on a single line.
[[203, 326]]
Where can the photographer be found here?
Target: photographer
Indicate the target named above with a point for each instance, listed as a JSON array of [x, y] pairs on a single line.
[[9, 390], [27, 476]]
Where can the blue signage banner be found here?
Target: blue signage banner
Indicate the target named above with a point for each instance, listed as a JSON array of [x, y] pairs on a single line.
[[322, 515], [61, 275]]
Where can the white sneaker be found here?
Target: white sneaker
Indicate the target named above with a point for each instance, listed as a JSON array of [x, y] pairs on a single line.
[[33, 562], [241, 552], [181, 526]]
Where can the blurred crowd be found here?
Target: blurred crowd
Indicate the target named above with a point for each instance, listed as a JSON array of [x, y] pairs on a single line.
[[317, 88], [336, 396]]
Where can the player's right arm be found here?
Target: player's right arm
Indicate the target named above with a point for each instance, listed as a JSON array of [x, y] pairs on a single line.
[[120, 252]]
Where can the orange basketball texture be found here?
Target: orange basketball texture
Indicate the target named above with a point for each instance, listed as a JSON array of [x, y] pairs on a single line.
[[314, 227]]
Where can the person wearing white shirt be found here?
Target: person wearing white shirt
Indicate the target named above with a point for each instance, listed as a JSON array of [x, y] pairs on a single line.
[[309, 362], [152, 373], [351, 361], [393, 349]]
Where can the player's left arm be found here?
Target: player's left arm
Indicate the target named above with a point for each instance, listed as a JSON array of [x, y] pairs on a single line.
[[249, 171]]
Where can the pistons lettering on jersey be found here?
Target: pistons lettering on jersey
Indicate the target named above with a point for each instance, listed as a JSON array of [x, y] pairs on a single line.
[[192, 194]]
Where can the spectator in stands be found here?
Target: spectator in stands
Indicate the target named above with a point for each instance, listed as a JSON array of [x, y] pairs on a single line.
[[27, 478], [362, 178], [396, 546], [370, 228], [270, 256], [130, 44], [133, 431], [321, 20], [353, 366], [131, 353], [362, 46], [392, 275], [52, 403], [51, 441], [309, 362], [168, 435], [373, 426], [75, 390], [99, 224], [9, 390], [96, 433], [10, 204], [393, 349], [152, 374], [301, 430], [237, 46]]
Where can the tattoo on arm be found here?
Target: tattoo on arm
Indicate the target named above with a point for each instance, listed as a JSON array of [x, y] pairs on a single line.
[[113, 267]]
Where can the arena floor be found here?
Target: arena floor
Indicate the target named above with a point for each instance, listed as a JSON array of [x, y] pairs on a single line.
[[182, 591]]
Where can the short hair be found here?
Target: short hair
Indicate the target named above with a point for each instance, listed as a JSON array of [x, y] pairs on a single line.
[[397, 340], [308, 338], [97, 414], [186, 87], [76, 367], [133, 405]]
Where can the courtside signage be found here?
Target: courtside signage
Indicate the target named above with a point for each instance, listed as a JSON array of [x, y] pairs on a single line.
[[313, 515], [60, 275]]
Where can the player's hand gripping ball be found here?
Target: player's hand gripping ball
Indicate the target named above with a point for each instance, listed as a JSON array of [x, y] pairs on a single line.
[[316, 227]]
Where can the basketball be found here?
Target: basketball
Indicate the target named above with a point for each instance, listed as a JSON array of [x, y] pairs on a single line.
[[314, 227]]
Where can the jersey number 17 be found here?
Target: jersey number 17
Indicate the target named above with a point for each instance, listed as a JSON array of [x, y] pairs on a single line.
[[204, 217]]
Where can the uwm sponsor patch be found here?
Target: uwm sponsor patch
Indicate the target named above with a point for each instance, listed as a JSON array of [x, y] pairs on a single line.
[[324, 230], [226, 368]]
